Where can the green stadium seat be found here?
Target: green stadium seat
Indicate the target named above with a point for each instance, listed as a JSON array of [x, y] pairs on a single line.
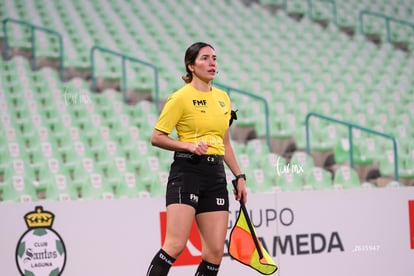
[[95, 188], [245, 163], [323, 137], [238, 147], [346, 178], [256, 147], [82, 150], [301, 161], [165, 159], [369, 149], [289, 181], [271, 2], [127, 148], [341, 152], [60, 188], [40, 177], [35, 158], [386, 163], [261, 180], [111, 174], [296, 7], [283, 126], [318, 179], [406, 167], [145, 149], [394, 184], [19, 188], [274, 162], [300, 137], [76, 175], [128, 187], [149, 182]]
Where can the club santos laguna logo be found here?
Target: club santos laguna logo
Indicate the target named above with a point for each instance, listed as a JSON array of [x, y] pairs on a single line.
[[40, 251]]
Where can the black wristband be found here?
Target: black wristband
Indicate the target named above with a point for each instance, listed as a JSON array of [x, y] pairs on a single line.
[[242, 175]]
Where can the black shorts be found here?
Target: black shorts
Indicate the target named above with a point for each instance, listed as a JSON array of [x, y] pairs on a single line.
[[199, 182]]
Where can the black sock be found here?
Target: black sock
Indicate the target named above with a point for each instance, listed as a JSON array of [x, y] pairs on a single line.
[[207, 269], [161, 264]]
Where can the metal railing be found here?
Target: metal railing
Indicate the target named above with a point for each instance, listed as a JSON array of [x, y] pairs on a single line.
[[363, 13], [124, 58], [229, 89], [33, 29], [350, 137], [388, 20]]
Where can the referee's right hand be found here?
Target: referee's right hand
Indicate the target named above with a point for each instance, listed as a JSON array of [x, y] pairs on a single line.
[[200, 148]]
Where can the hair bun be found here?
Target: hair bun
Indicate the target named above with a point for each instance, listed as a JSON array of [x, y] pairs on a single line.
[[186, 78]]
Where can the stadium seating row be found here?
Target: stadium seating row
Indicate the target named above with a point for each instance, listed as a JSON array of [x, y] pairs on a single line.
[[61, 132]]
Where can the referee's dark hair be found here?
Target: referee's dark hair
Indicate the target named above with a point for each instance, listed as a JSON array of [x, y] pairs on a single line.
[[190, 57]]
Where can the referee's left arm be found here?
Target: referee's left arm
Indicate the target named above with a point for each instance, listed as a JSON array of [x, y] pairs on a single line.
[[231, 161]]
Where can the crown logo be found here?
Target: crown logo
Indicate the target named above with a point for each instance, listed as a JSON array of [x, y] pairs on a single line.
[[39, 218]]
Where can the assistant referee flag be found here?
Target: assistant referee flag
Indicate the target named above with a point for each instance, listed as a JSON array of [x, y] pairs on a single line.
[[245, 247]]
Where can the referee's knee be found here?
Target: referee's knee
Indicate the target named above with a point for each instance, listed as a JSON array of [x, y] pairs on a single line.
[[213, 255], [174, 248]]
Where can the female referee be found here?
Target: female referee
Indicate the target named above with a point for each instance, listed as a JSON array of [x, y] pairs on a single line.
[[197, 187]]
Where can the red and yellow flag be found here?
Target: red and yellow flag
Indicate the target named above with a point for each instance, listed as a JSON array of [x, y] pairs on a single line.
[[245, 247]]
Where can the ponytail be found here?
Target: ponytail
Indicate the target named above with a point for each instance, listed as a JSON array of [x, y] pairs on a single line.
[[187, 78]]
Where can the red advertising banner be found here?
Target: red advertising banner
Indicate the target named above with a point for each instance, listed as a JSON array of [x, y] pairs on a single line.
[[411, 219], [192, 252]]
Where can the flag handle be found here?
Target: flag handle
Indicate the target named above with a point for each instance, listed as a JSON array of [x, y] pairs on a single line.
[[249, 223]]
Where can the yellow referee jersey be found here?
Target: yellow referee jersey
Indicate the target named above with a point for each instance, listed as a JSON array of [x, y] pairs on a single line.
[[197, 116]]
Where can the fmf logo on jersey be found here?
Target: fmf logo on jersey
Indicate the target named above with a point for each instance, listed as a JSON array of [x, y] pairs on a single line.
[[192, 252], [199, 102], [40, 251], [411, 219]]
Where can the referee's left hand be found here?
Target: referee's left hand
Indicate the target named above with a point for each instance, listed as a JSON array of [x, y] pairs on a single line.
[[241, 192]]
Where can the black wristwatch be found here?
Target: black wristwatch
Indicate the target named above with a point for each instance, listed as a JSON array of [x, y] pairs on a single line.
[[242, 175]]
